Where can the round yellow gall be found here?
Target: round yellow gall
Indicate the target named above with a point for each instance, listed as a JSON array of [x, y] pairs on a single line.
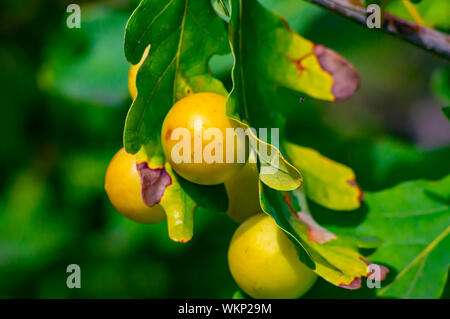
[[264, 262], [243, 192], [123, 187], [194, 140]]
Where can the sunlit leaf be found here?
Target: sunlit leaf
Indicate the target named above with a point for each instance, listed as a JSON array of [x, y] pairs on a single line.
[[413, 220], [273, 204], [179, 197], [275, 171], [182, 35], [334, 257], [278, 57], [327, 182]]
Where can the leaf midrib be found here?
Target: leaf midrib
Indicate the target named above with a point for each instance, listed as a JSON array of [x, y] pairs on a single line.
[[423, 254], [430, 211], [175, 58], [151, 23], [180, 41]]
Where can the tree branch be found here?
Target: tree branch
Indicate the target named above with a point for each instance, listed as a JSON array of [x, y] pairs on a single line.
[[421, 36]]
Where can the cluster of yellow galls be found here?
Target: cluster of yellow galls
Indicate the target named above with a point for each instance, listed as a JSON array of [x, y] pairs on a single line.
[[262, 260]]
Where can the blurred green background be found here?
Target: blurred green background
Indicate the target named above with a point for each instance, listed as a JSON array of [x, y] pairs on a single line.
[[64, 99]]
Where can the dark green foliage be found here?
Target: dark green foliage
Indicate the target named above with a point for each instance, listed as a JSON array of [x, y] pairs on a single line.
[[64, 101]]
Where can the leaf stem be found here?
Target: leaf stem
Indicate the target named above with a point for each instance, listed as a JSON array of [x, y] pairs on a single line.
[[416, 34], [413, 12]]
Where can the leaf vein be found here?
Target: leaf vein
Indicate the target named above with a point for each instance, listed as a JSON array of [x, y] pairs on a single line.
[[151, 23], [422, 254]]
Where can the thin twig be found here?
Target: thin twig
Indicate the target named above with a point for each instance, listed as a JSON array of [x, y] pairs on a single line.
[[421, 36]]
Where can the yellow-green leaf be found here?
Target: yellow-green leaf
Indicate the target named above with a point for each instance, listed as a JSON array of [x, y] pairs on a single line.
[[275, 171], [337, 261], [278, 57], [311, 68], [326, 182], [183, 35], [178, 205], [335, 256], [179, 208]]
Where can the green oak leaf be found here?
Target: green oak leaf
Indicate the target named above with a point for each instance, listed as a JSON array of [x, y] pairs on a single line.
[[275, 170], [278, 57], [338, 260], [183, 35], [180, 198], [333, 256], [273, 204], [413, 220]]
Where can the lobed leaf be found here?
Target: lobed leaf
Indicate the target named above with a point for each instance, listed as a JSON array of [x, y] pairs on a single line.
[[413, 219], [278, 56], [183, 35], [275, 171], [335, 257], [338, 261], [272, 203], [268, 54], [178, 206], [179, 197]]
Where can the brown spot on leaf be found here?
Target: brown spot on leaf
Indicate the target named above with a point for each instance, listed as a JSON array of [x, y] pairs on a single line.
[[299, 62], [355, 284], [316, 233], [153, 183], [360, 194], [345, 77]]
